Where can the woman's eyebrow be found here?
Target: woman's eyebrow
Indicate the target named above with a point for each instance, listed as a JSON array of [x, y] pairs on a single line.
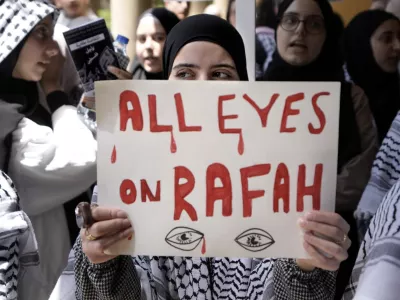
[[184, 65], [224, 66], [153, 33], [387, 32]]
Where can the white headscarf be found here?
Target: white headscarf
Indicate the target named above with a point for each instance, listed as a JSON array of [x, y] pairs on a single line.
[[18, 18]]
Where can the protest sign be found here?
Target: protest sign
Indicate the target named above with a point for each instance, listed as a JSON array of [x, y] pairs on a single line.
[[217, 169]]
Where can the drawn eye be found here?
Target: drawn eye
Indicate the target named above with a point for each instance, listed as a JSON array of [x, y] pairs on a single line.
[[184, 238], [255, 240]]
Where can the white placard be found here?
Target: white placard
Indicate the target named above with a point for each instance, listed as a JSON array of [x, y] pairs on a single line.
[[217, 169]]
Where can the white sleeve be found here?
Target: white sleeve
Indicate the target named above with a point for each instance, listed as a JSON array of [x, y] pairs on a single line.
[[51, 167]]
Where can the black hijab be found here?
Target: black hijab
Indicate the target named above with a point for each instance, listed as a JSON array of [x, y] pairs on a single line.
[[167, 20], [206, 28], [17, 91], [265, 14], [327, 67], [382, 88]]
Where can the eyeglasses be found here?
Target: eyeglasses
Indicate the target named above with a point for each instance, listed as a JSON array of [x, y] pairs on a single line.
[[312, 24]]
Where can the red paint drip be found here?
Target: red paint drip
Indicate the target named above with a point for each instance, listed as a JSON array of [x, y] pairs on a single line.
[[114, 155], [241, 144], [130, 238], [203, 248], [173, 143]]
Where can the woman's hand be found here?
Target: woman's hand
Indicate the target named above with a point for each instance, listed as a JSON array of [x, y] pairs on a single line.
[[110, 226], [51, 78], [120, 74], [325, 240]]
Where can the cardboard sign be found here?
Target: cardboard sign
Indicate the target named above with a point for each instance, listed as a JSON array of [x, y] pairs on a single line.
[[217, 169]]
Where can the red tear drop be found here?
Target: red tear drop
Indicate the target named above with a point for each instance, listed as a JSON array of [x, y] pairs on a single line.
[[203, 247], [114, 155], [241, 144], [173, 143]]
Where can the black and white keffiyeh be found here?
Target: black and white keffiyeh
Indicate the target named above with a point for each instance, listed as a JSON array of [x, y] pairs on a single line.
[[18, 247], [18, 18], [377, 270], [180, 278]]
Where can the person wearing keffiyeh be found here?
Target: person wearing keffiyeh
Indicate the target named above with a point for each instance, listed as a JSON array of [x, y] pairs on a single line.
[[194, 50], [385, 173], [377, 270], [49, 154], [18, 246]]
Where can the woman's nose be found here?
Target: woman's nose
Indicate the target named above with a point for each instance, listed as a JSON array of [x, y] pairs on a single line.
[[396, 45], [301, 29], [149, 44]]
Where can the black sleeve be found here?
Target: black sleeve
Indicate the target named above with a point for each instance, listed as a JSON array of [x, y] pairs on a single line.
[[292, 283], [113, 280], [57, 99]]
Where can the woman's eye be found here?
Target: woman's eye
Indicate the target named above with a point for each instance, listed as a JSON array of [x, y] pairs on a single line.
[[159, 38], [387, 38], [141, 39], [316, 24], [184, 75], [290, 20], [221, 75], [42, 33]]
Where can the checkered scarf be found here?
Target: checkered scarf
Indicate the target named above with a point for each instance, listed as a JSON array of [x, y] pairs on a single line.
[[18, 246], [18, 18]]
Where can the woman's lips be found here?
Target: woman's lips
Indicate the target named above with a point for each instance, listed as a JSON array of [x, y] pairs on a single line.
[[298, 46]]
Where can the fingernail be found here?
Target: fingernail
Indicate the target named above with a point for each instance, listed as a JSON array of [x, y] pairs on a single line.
[[126, 223], [121, 214], [129, 234], [301, 222], [309, 215]]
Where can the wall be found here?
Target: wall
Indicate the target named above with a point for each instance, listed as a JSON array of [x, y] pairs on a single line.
[[349, 8]]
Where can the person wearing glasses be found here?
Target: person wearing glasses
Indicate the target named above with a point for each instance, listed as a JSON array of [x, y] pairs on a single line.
[[308, 50]]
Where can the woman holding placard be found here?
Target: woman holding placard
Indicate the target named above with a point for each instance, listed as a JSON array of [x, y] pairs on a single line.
[[205, 47], [308, 50]]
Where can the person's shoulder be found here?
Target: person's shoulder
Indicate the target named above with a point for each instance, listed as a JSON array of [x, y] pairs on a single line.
[[356, 91], [357, 94]]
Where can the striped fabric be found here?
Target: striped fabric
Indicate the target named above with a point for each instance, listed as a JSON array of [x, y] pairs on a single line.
[[377, 270], [385, 173], [267, 38], [179, 278], [162, 278], [18, 248]]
